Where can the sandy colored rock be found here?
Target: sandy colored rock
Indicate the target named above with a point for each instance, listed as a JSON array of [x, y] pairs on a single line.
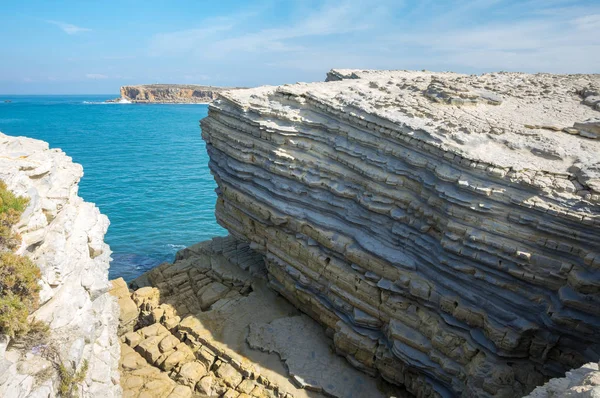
[[205, 384], [191, 373], [128, 310], [170, 93], [181, 392], [229, 375], [207, 350], [211, 294]]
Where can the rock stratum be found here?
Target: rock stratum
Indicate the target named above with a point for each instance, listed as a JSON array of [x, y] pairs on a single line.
[[170, 93], [208, 325], [64, 236], [444, 228]]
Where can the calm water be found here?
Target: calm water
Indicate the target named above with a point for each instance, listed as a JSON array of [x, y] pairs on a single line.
[[145, 167]]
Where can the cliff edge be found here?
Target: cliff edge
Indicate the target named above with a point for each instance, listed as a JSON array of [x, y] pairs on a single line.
[[171, 93], [64, 236], [445, 228]]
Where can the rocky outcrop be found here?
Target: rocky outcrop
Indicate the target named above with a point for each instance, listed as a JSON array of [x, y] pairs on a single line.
[[63, 235], [581, 383], [208, 324], [170, 93], [444, 228]]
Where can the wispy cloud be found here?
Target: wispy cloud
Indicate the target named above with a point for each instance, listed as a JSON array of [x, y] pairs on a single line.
[[545, 43], [332, 18], [195, 38], [96, 76], [185, 40], [68, 28]]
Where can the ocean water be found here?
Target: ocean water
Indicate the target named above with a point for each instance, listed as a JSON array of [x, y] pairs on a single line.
[[145, 167]]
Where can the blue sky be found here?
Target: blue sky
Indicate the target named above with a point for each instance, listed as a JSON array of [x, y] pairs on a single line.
[[95, 47]]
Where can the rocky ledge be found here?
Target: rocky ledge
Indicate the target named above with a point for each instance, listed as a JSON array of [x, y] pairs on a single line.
[[444, 228], [578, 383], [209, 325], [170, 93], [64, 236]]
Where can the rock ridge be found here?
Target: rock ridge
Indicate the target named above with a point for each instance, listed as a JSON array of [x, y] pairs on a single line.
[[445, 228], [64, 236]]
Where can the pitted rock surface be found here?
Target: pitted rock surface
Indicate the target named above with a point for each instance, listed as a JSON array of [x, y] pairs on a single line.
[[445, 228]]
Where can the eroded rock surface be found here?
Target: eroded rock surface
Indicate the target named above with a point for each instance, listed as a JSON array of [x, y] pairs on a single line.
[[205, 328], [577, 383], [445, 228], [64, 236]]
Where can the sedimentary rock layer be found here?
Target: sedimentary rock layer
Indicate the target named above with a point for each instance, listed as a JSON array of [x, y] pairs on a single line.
[[64, 236], [445, 228], [208, 324], [171, 93]]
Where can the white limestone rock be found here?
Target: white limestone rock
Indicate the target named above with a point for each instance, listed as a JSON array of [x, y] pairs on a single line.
[[64, 236], [583, 383]]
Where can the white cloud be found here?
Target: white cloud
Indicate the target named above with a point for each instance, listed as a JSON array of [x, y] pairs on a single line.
[[28, 80], [68, 28], [96, 76]]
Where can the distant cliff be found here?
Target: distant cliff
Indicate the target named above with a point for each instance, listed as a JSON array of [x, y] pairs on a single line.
[[171, 93]]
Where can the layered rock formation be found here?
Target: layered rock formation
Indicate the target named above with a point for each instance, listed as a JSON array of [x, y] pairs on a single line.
[[171, 93], [63, 235], [208, 324], [444, 228]]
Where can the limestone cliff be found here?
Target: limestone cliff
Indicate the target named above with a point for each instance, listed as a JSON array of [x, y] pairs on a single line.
[[445, 228], [64, 236], [170, 93]]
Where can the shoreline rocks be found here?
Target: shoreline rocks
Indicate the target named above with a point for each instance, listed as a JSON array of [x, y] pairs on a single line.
[[445, 228], [64, 236], [208, 324]]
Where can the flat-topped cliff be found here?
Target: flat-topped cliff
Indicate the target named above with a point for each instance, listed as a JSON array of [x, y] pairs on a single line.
[[171, 93], [64, 236], [445, 228]]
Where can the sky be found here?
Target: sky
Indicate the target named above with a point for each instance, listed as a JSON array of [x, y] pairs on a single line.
[[81, 47]]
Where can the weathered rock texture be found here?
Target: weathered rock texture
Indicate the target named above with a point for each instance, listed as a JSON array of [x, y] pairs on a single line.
[[581, 383], [170, 93], [63, 235], [445, 228], [209, 324]]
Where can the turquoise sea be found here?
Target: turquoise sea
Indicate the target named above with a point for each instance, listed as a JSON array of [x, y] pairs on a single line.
[[145, 167]]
